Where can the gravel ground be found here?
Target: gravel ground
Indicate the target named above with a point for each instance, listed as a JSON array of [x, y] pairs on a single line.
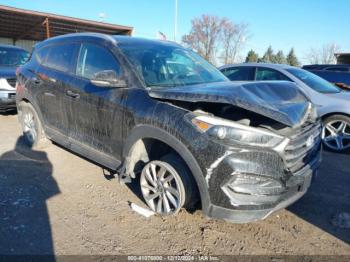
[[52, 201]]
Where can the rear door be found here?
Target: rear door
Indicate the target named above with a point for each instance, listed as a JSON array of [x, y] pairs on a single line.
[[52, 77], [96, 113]]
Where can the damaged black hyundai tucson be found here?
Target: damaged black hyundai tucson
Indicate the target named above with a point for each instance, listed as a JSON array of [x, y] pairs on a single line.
[[159, 114]]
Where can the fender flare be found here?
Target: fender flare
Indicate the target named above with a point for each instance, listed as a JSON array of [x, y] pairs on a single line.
[[147, 131], [28, 99]]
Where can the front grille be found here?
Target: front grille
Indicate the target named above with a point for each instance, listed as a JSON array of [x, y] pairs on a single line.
[[12, 95], [303, 147], [11, 81]]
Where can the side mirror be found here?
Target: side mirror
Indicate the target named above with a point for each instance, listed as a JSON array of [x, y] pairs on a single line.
[[108, 78]]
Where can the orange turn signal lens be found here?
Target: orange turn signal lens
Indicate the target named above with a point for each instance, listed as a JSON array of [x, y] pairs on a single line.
[[203, 126]]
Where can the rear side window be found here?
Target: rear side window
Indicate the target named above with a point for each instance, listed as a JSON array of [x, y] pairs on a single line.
[[93, 59], [244, 73], [60, 56], [267, 74]]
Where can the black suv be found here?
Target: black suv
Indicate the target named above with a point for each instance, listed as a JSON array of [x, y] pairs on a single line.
[[156, 111]]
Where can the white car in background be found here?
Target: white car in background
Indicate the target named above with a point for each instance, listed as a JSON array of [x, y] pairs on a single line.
[[333, 103]]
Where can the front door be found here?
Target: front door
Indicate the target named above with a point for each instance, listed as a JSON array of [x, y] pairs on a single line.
[[96, 113]]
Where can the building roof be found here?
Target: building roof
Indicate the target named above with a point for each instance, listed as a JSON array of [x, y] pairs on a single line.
[[32, 25], [338, 54]]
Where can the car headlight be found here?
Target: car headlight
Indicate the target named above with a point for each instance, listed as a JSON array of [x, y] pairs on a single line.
[[230, 132], [4, 85]]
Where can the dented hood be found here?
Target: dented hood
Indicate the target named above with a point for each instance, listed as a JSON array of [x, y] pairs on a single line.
[[281, 101]]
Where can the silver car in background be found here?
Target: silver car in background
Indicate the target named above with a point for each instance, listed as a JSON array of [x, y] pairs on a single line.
[[10, 58], [333, 103]]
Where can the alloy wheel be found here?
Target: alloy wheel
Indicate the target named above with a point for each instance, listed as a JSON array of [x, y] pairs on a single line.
[[162, 188], [336, 135]]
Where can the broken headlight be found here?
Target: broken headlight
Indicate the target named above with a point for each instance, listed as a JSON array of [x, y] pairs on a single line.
[[230, 132]]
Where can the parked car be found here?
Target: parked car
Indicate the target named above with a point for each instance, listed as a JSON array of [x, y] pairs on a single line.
[[10, 58], [332, 103], [336, 74], [157, 111]]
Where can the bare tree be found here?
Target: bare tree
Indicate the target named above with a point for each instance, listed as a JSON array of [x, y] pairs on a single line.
[[313, 56], [324, 55], [328, 52], [204, 36], [234, 37], [228, 33]]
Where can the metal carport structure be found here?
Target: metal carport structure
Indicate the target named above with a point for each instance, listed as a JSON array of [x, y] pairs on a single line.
[[20, 24]]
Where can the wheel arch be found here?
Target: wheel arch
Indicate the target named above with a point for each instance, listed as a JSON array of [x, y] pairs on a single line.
[[333, 114], [134, 146], [29, 100]]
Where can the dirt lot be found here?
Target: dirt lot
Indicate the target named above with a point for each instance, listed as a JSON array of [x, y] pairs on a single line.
[[54, 201]]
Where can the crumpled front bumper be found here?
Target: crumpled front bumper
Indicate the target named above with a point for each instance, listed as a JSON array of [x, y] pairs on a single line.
[[249, 186]]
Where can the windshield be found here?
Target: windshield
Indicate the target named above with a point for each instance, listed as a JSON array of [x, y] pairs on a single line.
[[12, 57], [315, 82], [169, 66]]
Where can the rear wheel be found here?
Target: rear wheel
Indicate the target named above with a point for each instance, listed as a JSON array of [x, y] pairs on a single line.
[[33, 132], [167, 185], [336, 133]]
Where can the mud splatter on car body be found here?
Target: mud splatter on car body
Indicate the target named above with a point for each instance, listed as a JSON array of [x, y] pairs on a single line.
[[251, 148]]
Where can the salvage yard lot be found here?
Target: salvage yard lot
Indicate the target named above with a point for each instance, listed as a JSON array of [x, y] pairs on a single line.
[[54, 201]]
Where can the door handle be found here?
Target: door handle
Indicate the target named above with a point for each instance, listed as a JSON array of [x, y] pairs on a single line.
[[72, 94]]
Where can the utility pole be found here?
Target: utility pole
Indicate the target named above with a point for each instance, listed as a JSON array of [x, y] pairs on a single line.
[[175, 21]]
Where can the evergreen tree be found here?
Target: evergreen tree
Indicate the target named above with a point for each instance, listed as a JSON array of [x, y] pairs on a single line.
[[280, 58], [251, 57], [292, 58], [269, 56]]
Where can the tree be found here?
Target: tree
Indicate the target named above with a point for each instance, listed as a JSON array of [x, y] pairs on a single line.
[[228, 34], [268, 57], [234, 37], [210, 33], [292, 58], [324, 55], [252, 57], [280, 58], [204, 36]]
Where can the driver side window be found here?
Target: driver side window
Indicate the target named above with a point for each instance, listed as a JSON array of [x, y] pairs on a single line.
[[93, 59], [267, 74]]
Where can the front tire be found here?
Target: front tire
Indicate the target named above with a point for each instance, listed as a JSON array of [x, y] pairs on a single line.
[[167, 185], [33, 132], [336, 133]]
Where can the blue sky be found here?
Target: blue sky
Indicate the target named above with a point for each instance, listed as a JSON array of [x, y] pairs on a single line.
[[281, 23]]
